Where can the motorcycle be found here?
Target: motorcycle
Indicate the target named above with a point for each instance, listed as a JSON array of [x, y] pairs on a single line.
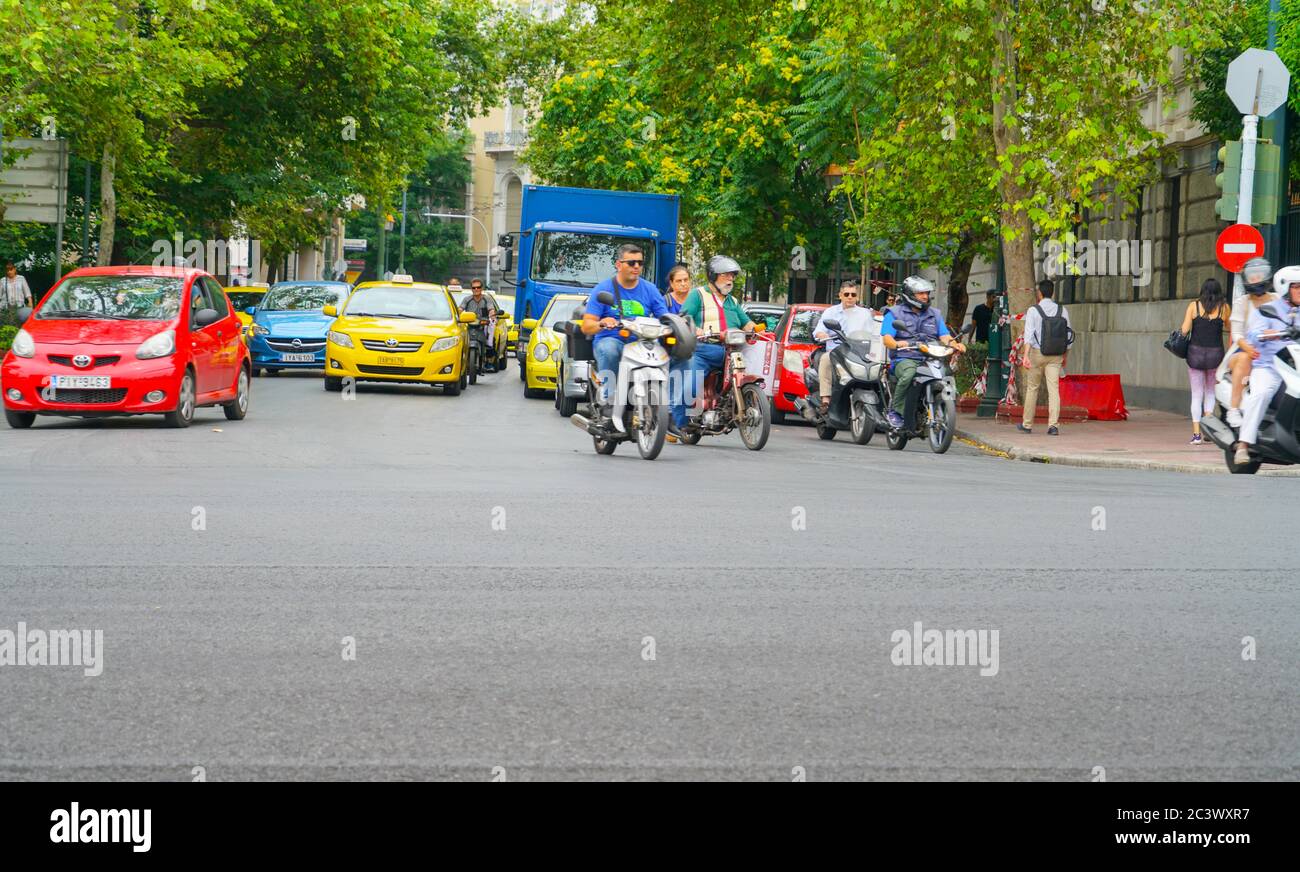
[[731, 398], [1277, 441], [641, 402], [858, 392], [930, 409]]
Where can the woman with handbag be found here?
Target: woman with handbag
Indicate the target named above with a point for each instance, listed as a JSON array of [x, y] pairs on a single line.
[[1204, 322]]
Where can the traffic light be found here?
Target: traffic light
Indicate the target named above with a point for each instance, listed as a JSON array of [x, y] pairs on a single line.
[[1229, 181]]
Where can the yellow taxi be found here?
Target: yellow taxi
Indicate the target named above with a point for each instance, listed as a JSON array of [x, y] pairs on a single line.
[[507, 305], [546, 343], [243, 296], [399, 330]]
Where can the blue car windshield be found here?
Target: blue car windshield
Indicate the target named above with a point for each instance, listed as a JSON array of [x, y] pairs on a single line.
[[304, 297]]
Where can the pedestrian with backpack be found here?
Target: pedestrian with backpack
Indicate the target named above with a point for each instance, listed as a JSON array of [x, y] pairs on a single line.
[[1048, 336]]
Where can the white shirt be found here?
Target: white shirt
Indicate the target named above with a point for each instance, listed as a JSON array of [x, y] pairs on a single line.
[[854, 320], [14, 292], [1034, 321]]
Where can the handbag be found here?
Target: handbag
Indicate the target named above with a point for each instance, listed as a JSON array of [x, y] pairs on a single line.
[[1177, 343]]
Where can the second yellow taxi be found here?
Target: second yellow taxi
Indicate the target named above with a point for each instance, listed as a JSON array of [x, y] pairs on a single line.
[[546, 343], [399, 331]]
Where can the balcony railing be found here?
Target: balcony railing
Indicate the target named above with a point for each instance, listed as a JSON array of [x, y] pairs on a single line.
[[504, 140]]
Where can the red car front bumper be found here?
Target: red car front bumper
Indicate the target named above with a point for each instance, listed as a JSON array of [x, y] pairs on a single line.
[[130, 380]]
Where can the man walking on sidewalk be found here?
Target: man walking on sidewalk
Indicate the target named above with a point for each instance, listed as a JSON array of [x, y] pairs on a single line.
[[1048, 337]]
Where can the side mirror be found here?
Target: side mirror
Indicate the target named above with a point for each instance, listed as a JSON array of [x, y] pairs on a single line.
[[23, 314], [831, 324], [251, 310], [204, 317], [605, 297], [468, 318], [509, 262], [331, 311], [529, 323]]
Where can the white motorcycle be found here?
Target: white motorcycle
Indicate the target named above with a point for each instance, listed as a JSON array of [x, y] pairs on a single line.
[[641, 402]]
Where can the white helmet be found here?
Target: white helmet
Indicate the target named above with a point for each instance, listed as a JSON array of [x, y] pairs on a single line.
[[1284, 278]]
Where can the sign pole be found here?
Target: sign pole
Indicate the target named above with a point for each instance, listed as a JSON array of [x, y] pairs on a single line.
[[1249, 136]]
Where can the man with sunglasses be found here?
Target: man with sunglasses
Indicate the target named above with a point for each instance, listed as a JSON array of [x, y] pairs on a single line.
[[636, 297], [853, 319]]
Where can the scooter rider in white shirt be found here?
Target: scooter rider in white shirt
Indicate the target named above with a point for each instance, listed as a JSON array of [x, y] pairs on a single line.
[[1267, 334], [853, 318]]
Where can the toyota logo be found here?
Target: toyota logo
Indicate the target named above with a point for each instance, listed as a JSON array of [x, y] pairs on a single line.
[[81, 360], [390, 342], [297, 343]]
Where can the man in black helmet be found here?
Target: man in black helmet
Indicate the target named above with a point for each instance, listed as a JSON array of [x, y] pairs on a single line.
[[909, 323], [713, 309]]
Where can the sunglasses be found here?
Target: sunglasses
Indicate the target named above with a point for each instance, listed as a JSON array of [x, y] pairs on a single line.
[[848, 294], [634, 262]]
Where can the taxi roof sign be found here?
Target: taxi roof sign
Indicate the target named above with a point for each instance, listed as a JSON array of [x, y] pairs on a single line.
[[402, 279]]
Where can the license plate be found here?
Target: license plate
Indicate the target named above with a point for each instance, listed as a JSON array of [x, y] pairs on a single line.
[[80, 381], [391, 361], [297, 358]]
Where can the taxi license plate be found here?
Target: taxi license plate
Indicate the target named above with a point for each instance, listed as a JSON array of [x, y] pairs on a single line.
[[297, 358], [389, 360], [80, 381]]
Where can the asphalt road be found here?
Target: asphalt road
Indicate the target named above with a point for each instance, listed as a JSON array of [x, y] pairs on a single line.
[[526, 647]]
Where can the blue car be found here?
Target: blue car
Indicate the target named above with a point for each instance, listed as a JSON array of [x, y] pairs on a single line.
[[289, 328]]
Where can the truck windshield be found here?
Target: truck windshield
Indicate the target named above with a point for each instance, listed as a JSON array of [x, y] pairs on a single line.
[[583, 259]]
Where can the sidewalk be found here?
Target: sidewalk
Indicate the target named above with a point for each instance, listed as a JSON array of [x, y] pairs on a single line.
[[1147, 440]]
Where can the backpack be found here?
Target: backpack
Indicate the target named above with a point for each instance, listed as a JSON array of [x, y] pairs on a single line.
[[1055, 336]]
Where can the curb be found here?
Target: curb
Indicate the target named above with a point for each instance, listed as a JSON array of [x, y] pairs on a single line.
[[1011, 452]]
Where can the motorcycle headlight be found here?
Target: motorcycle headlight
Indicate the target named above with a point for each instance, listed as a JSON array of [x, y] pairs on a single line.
[[157, 345], [444, 344], [541, 351], [858, 370], [24, 345], [342, 340]]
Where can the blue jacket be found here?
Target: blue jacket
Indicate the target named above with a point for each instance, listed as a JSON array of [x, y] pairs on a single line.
[[905, 323]]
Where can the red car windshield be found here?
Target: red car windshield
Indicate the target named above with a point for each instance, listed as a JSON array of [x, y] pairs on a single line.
[[129, 298]]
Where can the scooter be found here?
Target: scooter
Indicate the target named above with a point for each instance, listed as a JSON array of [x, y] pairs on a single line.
[[930, 409], [858, 392], [732, 399], [1277, 442], [641, 402]]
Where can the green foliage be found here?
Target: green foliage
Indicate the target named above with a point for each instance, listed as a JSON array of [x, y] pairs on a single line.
[[970, 366], [7, 334]]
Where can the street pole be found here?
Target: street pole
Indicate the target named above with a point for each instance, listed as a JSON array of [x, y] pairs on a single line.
[[1249, 128], [1275, 233], [401, 247]]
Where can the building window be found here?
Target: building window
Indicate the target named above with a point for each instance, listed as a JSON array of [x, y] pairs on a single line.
[[1171, 252]]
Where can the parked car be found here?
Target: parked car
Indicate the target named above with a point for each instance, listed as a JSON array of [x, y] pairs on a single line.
[[399, 331], [289, 326], [127, 340], [795, 344], [546, 344]]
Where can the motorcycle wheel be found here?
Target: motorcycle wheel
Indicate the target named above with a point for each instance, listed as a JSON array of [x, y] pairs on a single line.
[[896, 439], [473, 366], [603, 446], [757, 425], [653, 420], [943, 424], [861, 427], [1241, 468], [824, 432]]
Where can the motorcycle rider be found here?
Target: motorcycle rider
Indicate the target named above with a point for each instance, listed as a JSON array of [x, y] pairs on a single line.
[[714, 310], [483, 308], [852, 318], [633, 297], [1257, 278], [918, 323], [1266, 334]]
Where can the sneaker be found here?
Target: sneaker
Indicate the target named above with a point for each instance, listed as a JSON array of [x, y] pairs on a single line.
[[1023, 429], [1234, 418], [1196, 439], [1242, 456], [895, 420], [1053, 431], [674, 432]]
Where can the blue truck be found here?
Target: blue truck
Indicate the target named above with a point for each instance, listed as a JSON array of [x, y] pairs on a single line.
[[568, 237]]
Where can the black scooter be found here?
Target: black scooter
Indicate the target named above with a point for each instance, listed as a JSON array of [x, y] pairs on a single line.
[[1277, 442], [858, 392]]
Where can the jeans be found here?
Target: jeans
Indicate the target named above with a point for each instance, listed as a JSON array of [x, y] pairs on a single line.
[[905, 371], [690, 377], [608, 351]]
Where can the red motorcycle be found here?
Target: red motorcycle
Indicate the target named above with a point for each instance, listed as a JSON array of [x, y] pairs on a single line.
[[731, 398]]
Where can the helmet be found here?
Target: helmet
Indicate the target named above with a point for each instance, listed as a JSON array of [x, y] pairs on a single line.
[[1284, 278], [719, 264], [913, 285], [1255, 276]]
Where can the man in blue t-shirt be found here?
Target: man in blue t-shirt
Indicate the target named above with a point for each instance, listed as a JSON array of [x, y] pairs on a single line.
[[639, 298]]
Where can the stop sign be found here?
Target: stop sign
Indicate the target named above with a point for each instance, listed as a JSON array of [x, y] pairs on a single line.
[[1237, 244]]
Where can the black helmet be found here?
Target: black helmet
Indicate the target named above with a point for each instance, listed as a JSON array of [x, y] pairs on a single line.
[[913, 285], [719, 264], [1257, 276]]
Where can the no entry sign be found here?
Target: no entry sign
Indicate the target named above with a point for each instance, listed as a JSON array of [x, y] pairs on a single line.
[[1237, 244]]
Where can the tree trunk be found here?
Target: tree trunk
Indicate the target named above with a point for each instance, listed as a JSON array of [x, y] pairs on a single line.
[[107, 206], [957, 279], [1017, 251]]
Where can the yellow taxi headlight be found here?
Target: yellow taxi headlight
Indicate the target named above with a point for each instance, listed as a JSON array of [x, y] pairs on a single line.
[[343, 340], [541, 351], [446, 343]]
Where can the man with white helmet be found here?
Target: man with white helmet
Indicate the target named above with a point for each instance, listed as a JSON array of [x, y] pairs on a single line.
[[907, 324], [1266, 334]]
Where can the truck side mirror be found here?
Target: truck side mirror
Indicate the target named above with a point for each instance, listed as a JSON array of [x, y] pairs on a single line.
[[508, 261]]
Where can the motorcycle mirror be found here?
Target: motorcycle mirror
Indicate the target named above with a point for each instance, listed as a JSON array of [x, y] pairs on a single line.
[[605, 297], [831, 324]]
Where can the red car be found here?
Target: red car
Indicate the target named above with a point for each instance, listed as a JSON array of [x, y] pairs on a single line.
[[794, 343], [127, 340]]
